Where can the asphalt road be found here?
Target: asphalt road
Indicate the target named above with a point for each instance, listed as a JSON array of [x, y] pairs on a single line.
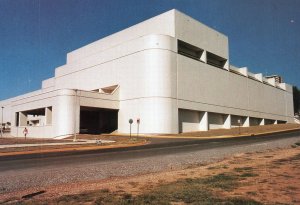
[[24, 172], [157, 147]]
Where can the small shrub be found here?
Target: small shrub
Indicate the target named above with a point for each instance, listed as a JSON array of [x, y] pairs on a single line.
[[253, 193], [248, 174], [241, 169], [218, 167], [241, 201], [104, 191], [224, 181]]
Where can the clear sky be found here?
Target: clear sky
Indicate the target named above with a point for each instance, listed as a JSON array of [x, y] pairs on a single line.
[[36, 35]]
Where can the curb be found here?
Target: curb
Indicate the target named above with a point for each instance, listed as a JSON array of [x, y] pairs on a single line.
[[69, 149]]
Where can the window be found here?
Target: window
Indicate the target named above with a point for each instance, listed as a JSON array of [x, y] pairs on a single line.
[[189, 50], [106, 90], [36, 117], [215, 60]]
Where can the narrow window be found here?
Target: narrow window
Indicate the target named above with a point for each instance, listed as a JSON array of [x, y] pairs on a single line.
[[189, 50], [215, 60]]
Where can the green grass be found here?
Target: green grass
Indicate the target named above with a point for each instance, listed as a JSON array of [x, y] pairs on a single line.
[[248, 174], [241, 169], [218, 167], [189, 191], [291, 188], [245, 172], [295, 158], [223, 181], [253, 193]]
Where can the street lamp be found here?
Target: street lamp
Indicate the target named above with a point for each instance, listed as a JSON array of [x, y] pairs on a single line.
[[2, 121], [75, 115], [239, 121]]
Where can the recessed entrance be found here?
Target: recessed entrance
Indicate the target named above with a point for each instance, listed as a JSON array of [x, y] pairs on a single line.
[[98, 120]]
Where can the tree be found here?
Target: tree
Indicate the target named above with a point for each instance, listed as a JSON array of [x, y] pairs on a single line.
[[296, 99]]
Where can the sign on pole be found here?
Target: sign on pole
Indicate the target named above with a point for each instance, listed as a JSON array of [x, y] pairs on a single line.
[[130, 122]]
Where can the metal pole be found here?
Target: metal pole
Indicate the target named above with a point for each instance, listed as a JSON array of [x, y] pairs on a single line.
[[2, 121], [138, 126], [75, 113], [240, 127], [130, 122], [130, 130]]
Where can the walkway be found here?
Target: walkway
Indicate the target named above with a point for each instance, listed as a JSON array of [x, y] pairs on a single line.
[[81, 142]]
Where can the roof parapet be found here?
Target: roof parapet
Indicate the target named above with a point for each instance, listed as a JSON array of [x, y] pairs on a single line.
[[286, 87], [270, 81], [257, 76], [243, 71]]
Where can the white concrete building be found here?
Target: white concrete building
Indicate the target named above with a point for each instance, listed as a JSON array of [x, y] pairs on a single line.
[[171, 71]]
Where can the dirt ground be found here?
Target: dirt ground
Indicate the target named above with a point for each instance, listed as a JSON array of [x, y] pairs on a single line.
[[18, 140], [119, 141], [270, 177]]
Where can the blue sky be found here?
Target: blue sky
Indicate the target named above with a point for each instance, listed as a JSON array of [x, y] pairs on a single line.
[[36, 35]]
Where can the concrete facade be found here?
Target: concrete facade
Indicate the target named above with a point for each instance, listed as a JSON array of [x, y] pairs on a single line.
[[171, 72]]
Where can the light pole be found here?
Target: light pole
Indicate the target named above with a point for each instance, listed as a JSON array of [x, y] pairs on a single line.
[[75, 116], [239, 121], [138, 126], [2, 121]]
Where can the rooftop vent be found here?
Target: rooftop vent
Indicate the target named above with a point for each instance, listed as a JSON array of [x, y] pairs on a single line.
[[107, 90], [189, 50], [278, 79], [214, 60]]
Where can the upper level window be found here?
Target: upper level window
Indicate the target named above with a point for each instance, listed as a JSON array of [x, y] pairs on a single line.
[[215, 60], [189, 50]]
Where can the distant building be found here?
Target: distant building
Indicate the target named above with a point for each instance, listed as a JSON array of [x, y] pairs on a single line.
[[171, 72]]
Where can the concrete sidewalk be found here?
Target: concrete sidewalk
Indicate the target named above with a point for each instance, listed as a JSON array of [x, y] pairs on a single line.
[[80, 142]]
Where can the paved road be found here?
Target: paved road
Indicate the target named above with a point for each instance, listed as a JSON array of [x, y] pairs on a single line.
[[22, 172]]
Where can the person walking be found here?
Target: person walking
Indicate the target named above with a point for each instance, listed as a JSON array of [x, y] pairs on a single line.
[[25, 132]]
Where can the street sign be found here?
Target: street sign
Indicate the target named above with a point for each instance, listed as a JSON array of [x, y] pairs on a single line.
[[130, 122]]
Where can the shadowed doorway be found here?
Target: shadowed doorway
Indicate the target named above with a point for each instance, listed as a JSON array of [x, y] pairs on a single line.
[[98, 120]]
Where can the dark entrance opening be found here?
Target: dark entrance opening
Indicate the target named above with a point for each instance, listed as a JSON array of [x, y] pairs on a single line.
[[98, 120]]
